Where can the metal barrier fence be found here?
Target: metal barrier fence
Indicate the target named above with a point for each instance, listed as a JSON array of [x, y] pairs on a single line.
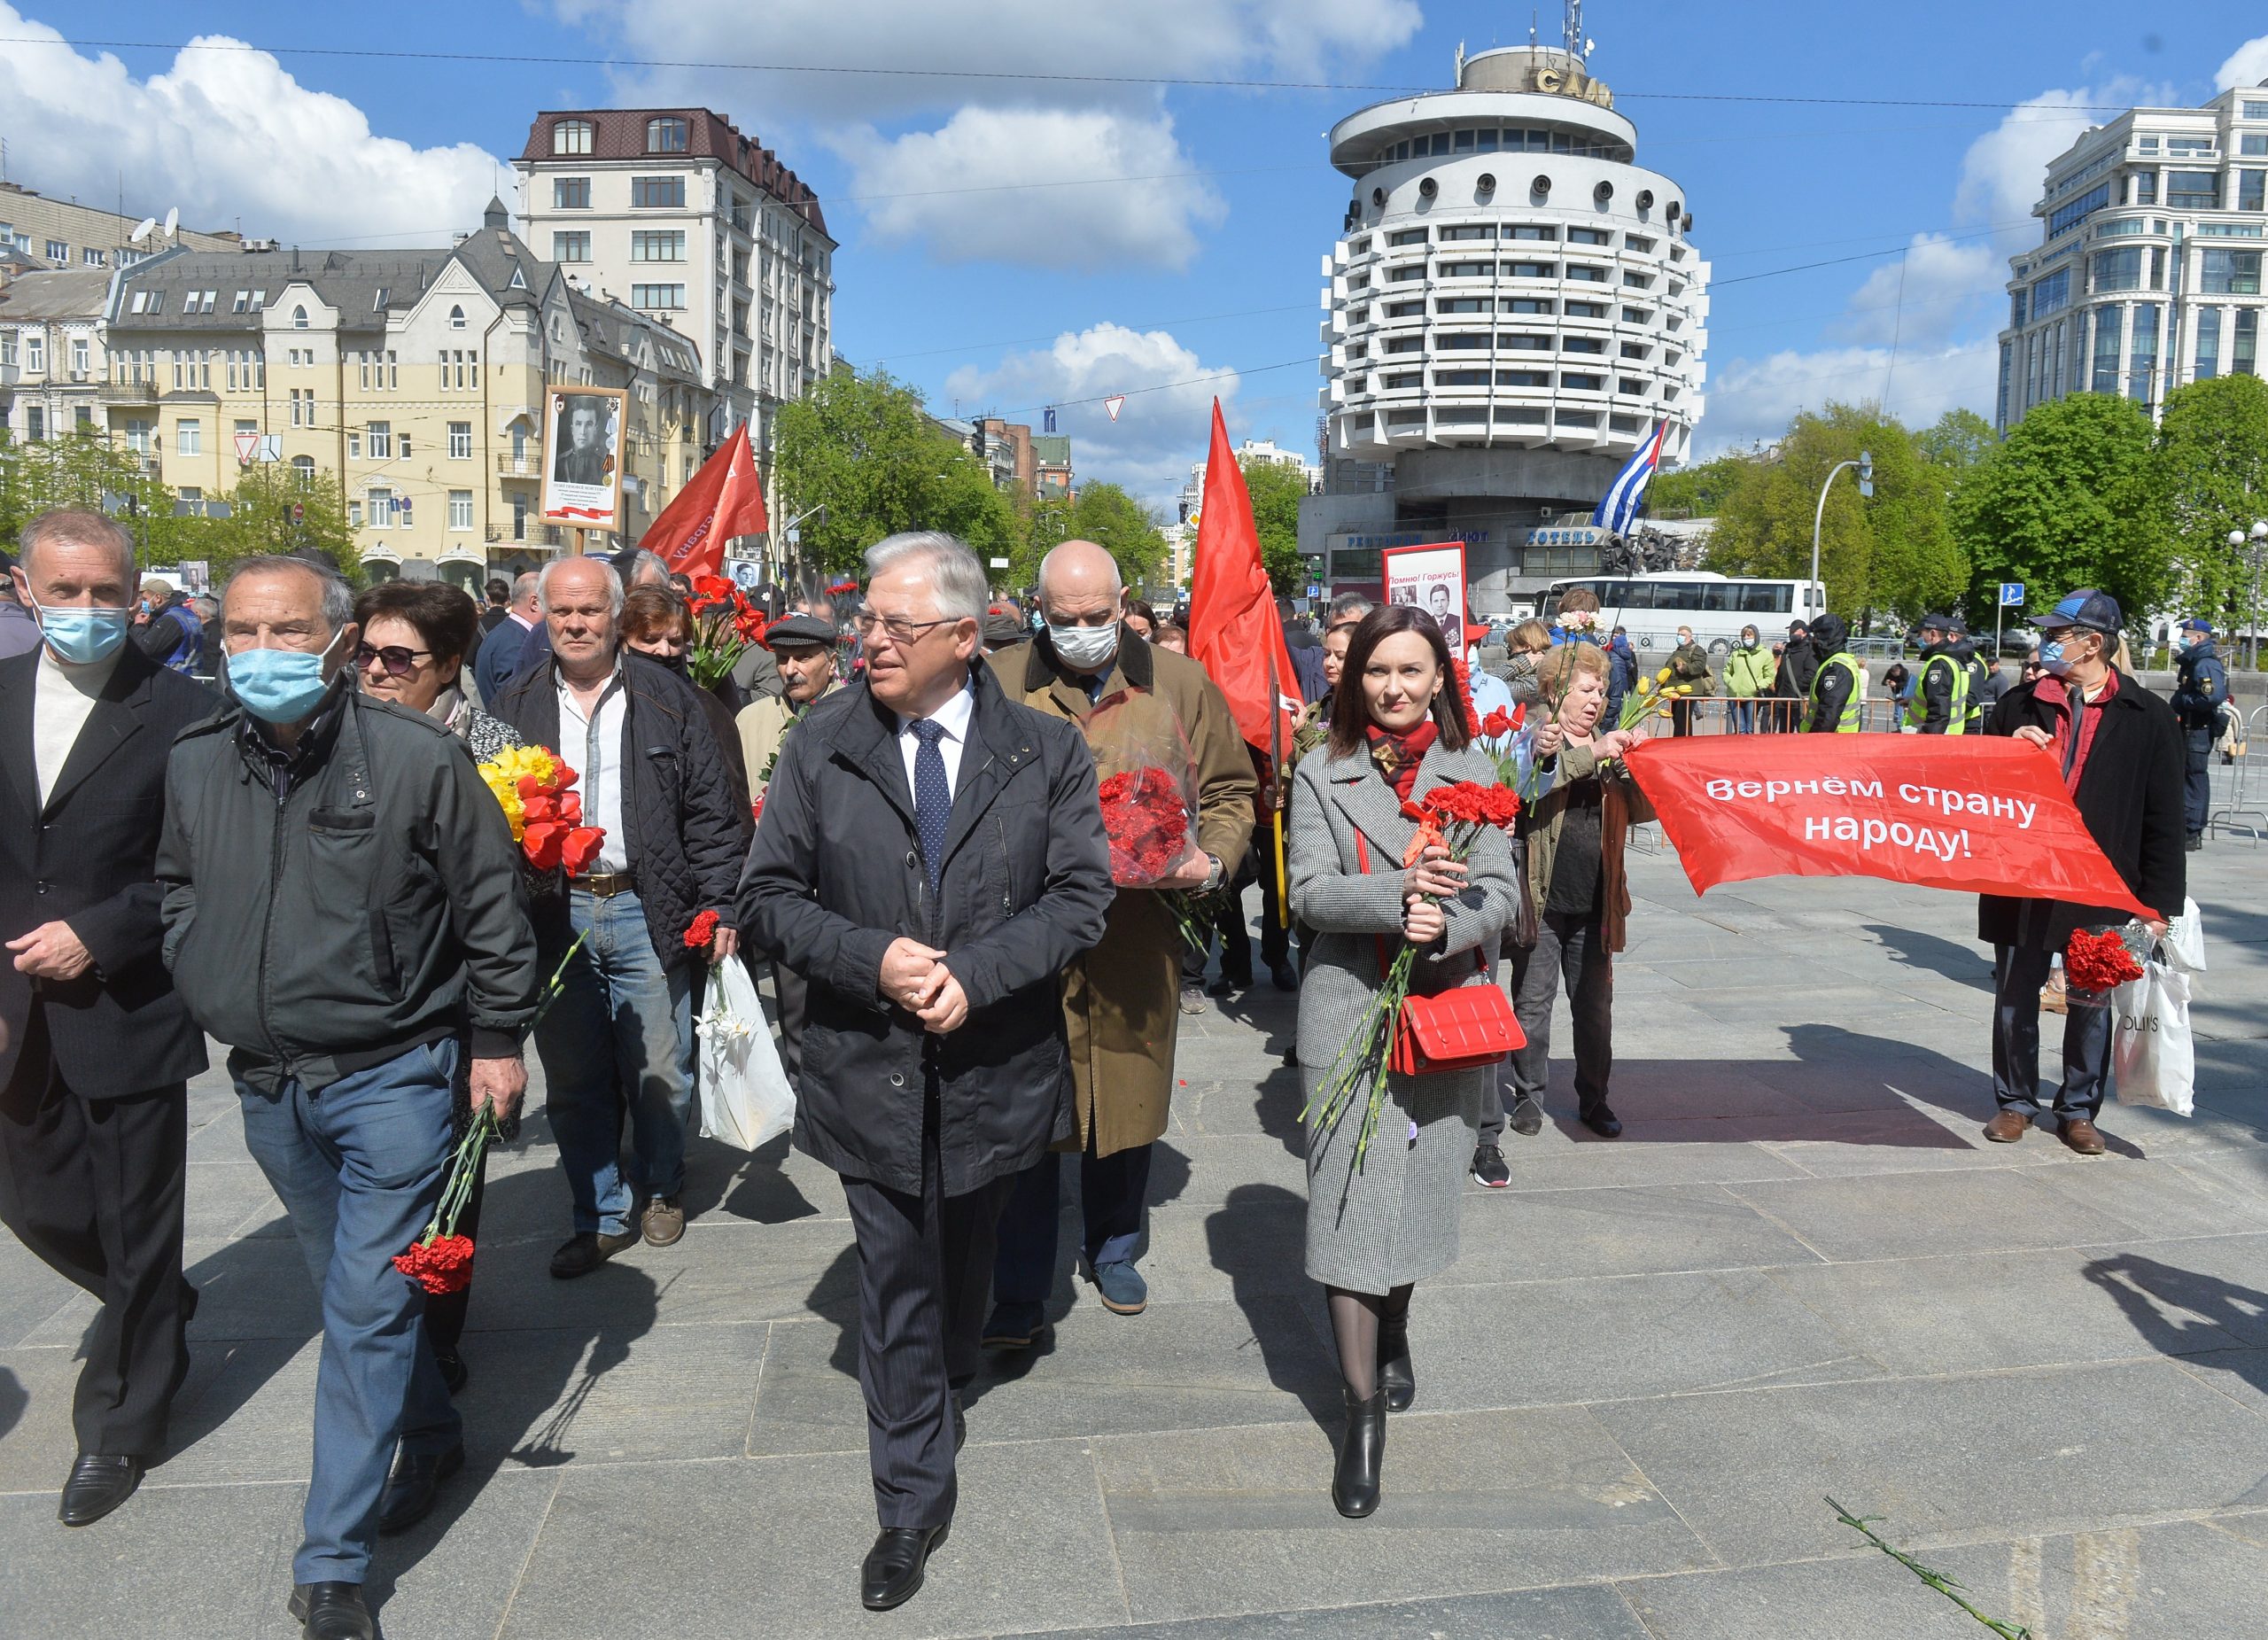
[[1717, 714], [2241, 802]]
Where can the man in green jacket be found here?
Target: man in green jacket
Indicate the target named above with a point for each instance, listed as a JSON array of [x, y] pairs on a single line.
[[1748, 671]]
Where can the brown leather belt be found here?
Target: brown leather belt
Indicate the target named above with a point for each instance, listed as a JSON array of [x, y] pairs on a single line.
[[605, 884]]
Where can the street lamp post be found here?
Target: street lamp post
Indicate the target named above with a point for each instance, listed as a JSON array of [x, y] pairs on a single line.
[[2254, 545], [1866, 466]]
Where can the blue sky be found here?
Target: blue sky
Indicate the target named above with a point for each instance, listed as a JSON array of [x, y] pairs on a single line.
[[1181, 233]]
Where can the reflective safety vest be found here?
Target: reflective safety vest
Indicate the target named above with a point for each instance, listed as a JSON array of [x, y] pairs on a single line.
[[1854, 708], [1959, 712]]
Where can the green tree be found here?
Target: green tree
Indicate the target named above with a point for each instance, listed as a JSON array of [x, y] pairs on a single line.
[[1114, 521], [1696, 491], [2211, 472], [862, 447], [83, 469], [261, 519], [1957, 440], [2063, 501], [1897, 552], [1276, 491]]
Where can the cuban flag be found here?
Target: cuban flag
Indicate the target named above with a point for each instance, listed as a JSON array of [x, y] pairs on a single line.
[[1619, 505]]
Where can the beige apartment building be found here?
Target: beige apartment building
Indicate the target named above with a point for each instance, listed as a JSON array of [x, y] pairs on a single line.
[[416, 376], [64, 233], [676, 213]]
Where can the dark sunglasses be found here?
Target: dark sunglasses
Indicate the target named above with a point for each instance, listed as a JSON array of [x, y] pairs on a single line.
[[397, 661]]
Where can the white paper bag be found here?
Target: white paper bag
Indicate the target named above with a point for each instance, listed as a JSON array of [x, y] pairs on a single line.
[[745, 1098], [2185, 940], [2153, 1057]]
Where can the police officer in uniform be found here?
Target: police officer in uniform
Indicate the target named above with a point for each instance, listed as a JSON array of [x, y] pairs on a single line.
[[2201, 685], [1838, 688], [1944, 695], [1981, 693]]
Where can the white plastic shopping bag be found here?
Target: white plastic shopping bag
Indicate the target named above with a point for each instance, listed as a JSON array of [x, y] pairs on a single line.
[[2153, 1057], [745, 1098], [2185, 940]]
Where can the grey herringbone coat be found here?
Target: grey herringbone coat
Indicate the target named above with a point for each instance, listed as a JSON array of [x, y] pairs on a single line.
[[1394, 1220]]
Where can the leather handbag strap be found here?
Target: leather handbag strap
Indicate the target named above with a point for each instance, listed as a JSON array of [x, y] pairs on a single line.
[[1362, 865]]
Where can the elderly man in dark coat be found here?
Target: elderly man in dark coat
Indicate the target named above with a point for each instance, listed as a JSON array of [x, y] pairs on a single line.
[[931, 856]]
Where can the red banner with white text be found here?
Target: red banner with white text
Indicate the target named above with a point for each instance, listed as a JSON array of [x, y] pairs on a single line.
[[1981, 815]]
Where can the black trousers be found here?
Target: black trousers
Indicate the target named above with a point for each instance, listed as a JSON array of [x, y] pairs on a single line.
[[2197, 778], [2018, 972], [1569, 950], [791, 991], [925, 1272], [95, 1187]]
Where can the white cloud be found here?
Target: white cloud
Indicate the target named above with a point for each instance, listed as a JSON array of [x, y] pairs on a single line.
[[1927, 295], [227, 136], [1751, 400], [2247, 65], [1149, 448], [945, 186]]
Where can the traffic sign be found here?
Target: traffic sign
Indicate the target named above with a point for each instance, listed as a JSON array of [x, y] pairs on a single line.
[[2011, 594], [247, 446]]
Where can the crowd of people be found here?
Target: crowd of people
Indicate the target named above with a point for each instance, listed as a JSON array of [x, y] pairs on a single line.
[[893, 806]]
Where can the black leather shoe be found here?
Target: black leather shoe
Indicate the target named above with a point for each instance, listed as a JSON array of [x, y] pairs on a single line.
[[98, 1485], [894, 1567], [412, 1487], [1285, 977], [585, 1251], [1526, 1119], [1354, 1487], [454, 1373], [332, 1612], [1604, 1123], [1397, 1379]]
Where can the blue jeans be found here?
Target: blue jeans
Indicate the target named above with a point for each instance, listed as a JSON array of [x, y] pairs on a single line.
[[619, 1037], [1112, 1190], [1742, 716], [2018, 972], [359, 1167]]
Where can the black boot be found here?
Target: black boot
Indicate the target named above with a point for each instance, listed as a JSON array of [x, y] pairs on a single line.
[[1354, 1488], [1396, 1381]]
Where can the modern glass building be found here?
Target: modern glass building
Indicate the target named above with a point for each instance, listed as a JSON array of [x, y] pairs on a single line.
[[1513, 304], [2148, 276]]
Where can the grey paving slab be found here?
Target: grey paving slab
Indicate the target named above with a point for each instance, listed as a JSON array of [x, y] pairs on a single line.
[[30, 1293], [2042, 1451], [1585, 1612], [575, 1395], [1901, 1215], [1472, 1501], [1531, 1234], [771, 1546]]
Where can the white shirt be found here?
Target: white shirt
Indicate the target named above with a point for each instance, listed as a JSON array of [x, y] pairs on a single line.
[[954, 716], [592, 746], [63, 696]]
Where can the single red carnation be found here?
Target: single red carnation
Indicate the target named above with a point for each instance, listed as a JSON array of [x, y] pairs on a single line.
[[441, 1265], [756, 809], [702, 932]]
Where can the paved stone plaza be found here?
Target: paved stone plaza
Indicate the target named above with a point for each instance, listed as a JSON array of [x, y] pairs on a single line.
[[1802, 1271]]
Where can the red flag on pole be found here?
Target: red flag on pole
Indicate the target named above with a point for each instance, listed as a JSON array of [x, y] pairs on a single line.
[[1233, 631], [724, 499]]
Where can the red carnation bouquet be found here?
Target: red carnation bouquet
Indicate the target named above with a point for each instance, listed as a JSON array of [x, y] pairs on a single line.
[[1451, 817], [1149, 801], [2100, 963], [724, 623]]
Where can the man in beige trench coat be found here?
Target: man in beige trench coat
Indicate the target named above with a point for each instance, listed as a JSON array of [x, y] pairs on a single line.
[[1120, 1000]]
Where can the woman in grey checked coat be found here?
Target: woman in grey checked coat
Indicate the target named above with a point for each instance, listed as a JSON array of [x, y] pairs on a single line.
[[1398, 730]]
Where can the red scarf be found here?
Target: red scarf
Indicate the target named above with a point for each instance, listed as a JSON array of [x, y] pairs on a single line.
[[2058, 695], [1398, 756]]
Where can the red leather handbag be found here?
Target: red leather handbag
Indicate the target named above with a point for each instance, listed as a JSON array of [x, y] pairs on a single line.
[[1465, 1029]]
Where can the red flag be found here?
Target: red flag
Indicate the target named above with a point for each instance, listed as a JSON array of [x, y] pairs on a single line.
[[724, 499], [1981, 814], [1233, 631]]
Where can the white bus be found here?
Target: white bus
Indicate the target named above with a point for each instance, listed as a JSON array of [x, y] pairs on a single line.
[[1652, 608]]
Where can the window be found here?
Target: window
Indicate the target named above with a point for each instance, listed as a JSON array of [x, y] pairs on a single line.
[[299, 318], [1633, 243], [2252, 111], [1524, 230], [303, 406], [663, 296], [571, 136], [34, 422], [2187, 147], [1467, 270], [570, 193], [1397, 344], [243, 304], [2142, 364], [1582, 343], [665, 136], [1589, 235], [2193, 190], [381, 441], [2244, 359], [570, 247], [1634, 350], [2229, 273], [2079, 209], [2253, 143], [1586, 310], [1401, 276], [1460, 379], [382, 508], [1631, 387], [460, 369], [58, 252], [2209, 343], [1462, 303], [457, 318], [1485, 231], [2114, 270], [1523, 378], [80, 356], [137, 436], [460, 509], [2252, 190], [303, 471], [355, 515], [655, 193], [1400, 310], [460, 441], [189, 436], [1526, 344], [354, 446], [1527, 304], [519, 517], [657, 246], [2053, 294], [1585, 271], [1408, 236], [1530, 270], [2146, 188], [1574, 382]]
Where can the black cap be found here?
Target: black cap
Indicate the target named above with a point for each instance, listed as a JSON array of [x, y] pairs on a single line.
[[1933, 623], [2092, 610], [1957, 625], [808, 629], [1002, 629]]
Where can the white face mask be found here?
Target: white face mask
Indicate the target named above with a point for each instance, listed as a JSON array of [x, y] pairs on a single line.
[[1086, 649]]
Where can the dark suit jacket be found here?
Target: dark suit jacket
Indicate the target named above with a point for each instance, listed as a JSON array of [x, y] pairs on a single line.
[[89, 860]]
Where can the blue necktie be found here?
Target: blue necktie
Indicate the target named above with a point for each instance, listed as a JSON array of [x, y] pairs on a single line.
[[933, 799]]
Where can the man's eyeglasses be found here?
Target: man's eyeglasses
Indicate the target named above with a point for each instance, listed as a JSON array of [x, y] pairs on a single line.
[[397, 661], [901, 631]]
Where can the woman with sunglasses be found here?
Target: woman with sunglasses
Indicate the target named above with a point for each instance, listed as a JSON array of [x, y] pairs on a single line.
[[415, 636], [1398, 730]]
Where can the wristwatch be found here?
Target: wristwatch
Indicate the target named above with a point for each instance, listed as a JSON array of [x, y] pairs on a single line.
[[1213, 879]]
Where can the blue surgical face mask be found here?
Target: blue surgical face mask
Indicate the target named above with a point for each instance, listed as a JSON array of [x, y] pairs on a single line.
[[2051, 659], [279, 686], [1084, 649], [83, 636]]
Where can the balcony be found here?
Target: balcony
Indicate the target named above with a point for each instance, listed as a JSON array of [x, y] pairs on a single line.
[[128, 392], [528, 466]]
